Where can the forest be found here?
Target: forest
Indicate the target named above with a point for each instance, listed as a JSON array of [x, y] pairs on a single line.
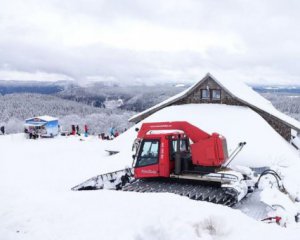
[[101, 105]]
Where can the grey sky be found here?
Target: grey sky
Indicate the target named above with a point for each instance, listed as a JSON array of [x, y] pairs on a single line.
[[139, 40]]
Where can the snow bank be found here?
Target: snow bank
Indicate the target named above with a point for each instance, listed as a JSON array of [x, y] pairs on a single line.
[[117, 215]]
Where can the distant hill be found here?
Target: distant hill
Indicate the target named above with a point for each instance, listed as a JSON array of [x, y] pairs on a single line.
[[103, 103], [277, 89], [133, 97], [8, 87]]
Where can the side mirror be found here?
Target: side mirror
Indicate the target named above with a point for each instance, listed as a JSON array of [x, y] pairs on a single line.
[[137, 129]]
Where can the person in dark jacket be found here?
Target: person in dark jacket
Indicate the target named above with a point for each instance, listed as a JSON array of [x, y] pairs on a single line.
[[77, 130], [2, 129], [73, 132]]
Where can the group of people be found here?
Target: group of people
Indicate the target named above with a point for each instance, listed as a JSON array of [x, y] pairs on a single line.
[[113, 133], [76, 130], [32, 132]]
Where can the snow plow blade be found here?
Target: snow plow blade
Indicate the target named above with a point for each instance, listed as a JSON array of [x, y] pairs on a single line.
[[113, 180]]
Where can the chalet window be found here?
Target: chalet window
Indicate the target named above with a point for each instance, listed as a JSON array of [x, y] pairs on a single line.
[[216, 94], [205, 94]]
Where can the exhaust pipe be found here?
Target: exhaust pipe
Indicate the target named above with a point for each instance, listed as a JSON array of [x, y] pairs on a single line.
[[177, 157]]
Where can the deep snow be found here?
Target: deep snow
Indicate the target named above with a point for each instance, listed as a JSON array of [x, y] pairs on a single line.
[[36, 201]]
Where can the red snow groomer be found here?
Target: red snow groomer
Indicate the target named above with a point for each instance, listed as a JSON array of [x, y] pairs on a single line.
[[179, 158]]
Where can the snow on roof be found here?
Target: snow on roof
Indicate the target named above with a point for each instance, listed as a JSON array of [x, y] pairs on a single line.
[[35, 124], [44, 118], [238, 90], [264, 146], [247, 95]]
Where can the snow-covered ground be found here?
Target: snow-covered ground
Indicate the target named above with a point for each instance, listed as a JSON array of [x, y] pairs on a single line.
[[36, 201]]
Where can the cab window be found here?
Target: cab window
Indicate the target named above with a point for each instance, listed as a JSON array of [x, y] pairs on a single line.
[[149, 153]]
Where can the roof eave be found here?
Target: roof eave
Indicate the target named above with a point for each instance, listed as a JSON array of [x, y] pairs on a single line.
[[138, 117], [153, 109]]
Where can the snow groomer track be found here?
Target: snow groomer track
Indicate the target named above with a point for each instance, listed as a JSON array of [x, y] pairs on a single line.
[[224, 196], [123, 180]]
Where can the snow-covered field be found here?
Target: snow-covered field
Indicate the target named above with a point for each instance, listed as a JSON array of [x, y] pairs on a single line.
[[36, 201]]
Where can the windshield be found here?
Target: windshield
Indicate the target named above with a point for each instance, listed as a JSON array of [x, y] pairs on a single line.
[[148, 154]]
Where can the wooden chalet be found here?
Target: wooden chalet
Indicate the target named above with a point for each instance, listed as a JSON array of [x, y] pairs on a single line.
[[211, 90]]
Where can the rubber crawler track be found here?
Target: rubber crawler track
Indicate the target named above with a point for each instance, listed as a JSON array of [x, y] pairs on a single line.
[[219, 195], [190, 189]]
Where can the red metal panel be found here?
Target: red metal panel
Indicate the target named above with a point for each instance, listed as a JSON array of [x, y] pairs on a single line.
[[208, 152], [147, 171], [164, 159], [194, 133], [162, 168]]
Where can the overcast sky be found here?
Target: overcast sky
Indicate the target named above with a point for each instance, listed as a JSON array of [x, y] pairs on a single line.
[[150, 41]]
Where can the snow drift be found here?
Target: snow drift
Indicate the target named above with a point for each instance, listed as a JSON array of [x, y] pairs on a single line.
[[265, 147], [37, 203]]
